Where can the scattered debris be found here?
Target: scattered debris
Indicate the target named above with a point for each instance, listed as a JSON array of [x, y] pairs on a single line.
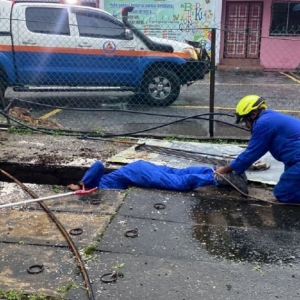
[[24, 114]]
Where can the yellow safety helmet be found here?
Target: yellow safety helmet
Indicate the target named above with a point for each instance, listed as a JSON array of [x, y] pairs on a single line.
[[247, 104]]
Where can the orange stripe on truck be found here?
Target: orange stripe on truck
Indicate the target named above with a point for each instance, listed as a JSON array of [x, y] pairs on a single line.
[[97, 51], [5, 48], [45, 49]]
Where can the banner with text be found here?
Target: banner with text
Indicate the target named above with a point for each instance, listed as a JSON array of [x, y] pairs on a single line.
[[172, 19]]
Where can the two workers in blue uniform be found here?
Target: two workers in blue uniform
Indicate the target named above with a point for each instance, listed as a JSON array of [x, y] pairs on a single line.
[[270, 131]]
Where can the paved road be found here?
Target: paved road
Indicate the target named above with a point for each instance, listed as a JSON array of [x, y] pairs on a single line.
[[280, 89]]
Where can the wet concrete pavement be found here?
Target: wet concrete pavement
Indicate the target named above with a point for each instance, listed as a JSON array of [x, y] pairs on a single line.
[[195, 248], [208, 244]]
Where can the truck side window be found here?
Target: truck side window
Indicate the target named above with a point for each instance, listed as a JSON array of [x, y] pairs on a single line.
[[92, 24], [47, 20]]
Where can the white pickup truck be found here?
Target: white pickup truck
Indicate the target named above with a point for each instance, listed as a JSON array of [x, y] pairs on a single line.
[[56, 46]]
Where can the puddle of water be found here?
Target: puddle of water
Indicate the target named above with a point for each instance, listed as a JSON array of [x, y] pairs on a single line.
[[248, 233]]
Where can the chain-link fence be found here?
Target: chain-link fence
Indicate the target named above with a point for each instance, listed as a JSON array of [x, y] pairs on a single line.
[[78, 70]]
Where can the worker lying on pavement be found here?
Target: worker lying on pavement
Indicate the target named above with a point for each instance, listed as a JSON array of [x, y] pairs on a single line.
[[148, 175], [274, 132]]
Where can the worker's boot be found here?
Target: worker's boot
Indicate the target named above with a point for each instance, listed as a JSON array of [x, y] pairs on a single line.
[[233, 180]]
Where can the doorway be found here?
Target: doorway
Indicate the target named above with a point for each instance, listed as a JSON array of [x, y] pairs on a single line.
[[243, 30]]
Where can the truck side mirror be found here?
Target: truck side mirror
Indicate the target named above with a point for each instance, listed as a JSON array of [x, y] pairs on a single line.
[[128, 34]]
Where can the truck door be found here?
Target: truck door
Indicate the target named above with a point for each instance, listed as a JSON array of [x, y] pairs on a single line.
[[106, 55], [45, 52]]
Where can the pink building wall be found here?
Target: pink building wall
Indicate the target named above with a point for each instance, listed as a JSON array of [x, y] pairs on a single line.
[[282, 52]]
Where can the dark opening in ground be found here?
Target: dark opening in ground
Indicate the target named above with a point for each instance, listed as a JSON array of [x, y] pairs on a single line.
[[42, 174]]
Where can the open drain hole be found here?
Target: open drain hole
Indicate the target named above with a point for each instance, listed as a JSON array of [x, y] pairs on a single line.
[[35, 269], [95, 201], [76, 231], [133, 233], [111, 277], [159, 206], [41, 173]]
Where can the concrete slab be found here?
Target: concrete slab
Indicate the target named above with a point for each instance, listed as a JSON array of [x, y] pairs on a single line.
[[148, 278], [201, 242], [206, 230], [31, 225], [178, 206], [213, 208], [35, 227], [59, 269], [100, 201], [104, 202], [155, 238]]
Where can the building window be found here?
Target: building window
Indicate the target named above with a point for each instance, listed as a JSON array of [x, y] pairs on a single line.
[[285, 18]]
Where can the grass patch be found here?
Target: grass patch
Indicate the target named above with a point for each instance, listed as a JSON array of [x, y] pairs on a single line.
[[19, 295], [19, 130]]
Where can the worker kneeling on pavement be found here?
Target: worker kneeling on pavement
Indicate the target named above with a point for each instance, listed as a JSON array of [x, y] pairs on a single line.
[[274, 132], [148, 175]]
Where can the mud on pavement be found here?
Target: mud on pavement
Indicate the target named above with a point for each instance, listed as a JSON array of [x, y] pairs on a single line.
[[48, 159]]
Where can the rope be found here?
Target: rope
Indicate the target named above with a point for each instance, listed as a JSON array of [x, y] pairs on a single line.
[[253, 197]]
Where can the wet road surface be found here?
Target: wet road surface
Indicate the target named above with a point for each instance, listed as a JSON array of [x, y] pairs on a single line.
[[280, 89]]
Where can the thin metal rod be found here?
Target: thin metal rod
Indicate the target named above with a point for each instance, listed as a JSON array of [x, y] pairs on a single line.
[[36, 200]]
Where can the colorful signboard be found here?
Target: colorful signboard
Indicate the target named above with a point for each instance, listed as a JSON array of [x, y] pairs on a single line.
[[173, 19]]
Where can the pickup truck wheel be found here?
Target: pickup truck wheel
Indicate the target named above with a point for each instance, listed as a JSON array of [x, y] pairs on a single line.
[[160, 87]]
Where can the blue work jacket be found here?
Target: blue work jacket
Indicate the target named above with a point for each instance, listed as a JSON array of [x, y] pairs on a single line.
[[274, 132]]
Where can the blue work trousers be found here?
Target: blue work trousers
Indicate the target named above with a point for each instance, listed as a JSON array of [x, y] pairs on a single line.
[[288, 187], [148, 175]]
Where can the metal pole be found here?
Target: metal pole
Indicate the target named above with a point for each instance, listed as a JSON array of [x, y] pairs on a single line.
[[79, 192], [212, 81]]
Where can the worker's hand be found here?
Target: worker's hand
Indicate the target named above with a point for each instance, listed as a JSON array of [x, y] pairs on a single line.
[[74, 187], [223, 169]]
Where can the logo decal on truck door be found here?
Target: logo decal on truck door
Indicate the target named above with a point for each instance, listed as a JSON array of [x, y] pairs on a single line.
[[109, 47]]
